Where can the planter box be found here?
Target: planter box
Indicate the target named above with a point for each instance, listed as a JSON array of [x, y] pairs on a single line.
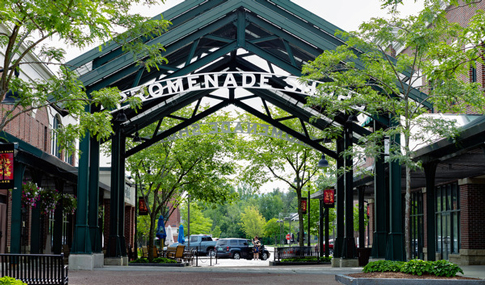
[[401, 281]]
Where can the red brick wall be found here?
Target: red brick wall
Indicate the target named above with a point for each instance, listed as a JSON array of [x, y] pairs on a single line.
[[472, 200]]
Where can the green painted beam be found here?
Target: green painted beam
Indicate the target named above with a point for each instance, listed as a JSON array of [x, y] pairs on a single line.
[[81, 239], [16, 220], [176, 128], [273, 59], [93, 211], [111, 46]]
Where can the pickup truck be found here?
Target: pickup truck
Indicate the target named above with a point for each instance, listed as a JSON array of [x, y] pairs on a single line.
[[203, 243]]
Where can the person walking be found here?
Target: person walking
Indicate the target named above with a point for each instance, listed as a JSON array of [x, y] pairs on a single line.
[[257, 245]]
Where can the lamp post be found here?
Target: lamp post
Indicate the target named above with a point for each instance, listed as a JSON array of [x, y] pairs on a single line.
[[279, 222], [323, 163], [188, 221]]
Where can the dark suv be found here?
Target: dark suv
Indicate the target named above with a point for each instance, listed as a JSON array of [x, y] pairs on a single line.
[[238, 248]]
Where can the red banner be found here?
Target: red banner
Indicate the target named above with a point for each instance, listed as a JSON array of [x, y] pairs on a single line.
[[329, 198], [142, 207], [6, 166], [303, 205]]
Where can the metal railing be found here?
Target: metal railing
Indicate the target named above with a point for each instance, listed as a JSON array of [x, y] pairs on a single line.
[[35, 269], [294, 252]]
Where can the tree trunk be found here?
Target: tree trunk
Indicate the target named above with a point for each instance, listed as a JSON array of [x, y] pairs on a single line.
[[407, 215], [151, 236]]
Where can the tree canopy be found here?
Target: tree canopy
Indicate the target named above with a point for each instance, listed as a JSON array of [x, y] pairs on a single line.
[[30, 35]]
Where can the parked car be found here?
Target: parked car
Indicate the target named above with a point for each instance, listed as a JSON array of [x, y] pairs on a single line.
[[330, 247], [203, 243], [238, 248]]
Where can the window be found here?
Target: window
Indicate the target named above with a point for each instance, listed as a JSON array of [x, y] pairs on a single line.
[[56, 148], [447, 219], [417, 225], [473, 74]]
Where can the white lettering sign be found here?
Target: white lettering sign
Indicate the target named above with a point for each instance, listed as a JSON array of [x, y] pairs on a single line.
[[232, 128], [207, 81]]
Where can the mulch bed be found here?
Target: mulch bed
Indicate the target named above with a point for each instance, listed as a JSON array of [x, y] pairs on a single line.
[[401, 275]]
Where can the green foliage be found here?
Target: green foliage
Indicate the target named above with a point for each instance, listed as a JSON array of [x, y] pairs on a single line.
[[438, 268], [445, 268], [252, 222], [6, 280], [37, 27], [199, 224], [415, 267], [383, 266], [164, 260], [155, 260]]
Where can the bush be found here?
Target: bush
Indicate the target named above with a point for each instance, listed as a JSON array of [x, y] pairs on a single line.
[[155, 260], [383, 266], [415, 267], [10, 281], [164, 260]]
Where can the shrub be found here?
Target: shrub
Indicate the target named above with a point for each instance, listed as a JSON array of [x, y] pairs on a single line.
[[383, 266], [163, 260], [415, 267], [140, 260], [10, 281], [445, 268], [155, 260]]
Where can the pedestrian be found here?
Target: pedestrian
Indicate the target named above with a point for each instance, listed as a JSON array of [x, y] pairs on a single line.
[[256, 244]]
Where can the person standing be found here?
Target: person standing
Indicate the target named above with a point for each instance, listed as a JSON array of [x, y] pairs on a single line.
[[257, 245]]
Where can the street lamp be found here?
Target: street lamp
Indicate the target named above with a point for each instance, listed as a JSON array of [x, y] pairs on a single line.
[[323, 162]]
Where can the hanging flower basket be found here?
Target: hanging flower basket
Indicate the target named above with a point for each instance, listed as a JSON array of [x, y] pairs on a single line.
[[48, 200], [69, 203], [30, 192]]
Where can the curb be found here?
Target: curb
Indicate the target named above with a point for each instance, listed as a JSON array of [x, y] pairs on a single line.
[[347, 280], [160, 264], [279, 263]]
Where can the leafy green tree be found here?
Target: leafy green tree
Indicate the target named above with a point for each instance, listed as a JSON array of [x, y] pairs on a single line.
[[252, 223], [199, 224], [366, 78], [28, 28], [272, 229], [270, 205], [292, 163], [197, 165]]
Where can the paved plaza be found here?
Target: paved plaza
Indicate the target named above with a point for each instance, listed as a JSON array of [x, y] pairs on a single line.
[[225, 271]]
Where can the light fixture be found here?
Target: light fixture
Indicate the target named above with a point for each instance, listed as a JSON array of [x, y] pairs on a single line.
[[121, 117], [137, 138], [323, 162], [10, 98], [352, 118]]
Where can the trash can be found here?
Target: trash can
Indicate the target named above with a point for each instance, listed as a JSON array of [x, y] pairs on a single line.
[[364, 254]]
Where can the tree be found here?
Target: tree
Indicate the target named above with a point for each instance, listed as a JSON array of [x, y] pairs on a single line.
[[362, 76], [169, 170], [252, 223], [199, 224], [277, 156], [37, 27], [272, 228]]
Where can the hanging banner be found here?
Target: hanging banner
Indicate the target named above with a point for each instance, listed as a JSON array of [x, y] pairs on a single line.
[[142, 207], [6, 166], [329, 198], [303, 205]]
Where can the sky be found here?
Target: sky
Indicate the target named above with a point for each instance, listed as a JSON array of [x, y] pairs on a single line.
[[345, 14]]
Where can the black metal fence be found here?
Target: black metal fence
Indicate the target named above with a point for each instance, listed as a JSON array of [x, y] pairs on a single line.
[[35, 269], [294, 252]]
